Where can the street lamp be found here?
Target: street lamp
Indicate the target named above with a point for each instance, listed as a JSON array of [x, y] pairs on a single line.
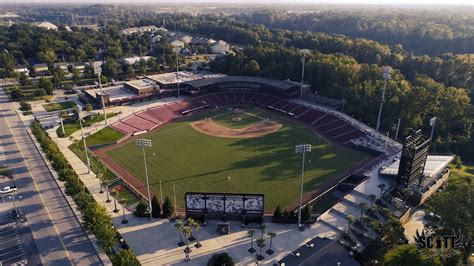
[[102, 97], [145, 143], [79, 110], [304, 52], [386, 76], [302, 149]]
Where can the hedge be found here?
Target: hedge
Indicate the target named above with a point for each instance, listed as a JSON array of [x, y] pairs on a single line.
[[95, 217]]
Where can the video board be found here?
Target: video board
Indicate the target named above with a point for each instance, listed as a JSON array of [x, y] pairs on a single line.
[[224, 203]]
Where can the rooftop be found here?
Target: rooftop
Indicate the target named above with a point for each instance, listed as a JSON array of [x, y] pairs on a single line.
[[141, 83], [115, 92], [170, 78], [435, 164], [281, 84]]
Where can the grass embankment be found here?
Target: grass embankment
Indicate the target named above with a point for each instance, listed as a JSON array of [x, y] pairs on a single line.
[[51, 107], [71, 126]]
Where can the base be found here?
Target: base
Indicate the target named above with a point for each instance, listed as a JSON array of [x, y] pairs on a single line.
[[181, 244], [124, 221], [116, 210], [198, 245], [108, 201], [269, 251], [251, 250], [260, 257], [192, 238]]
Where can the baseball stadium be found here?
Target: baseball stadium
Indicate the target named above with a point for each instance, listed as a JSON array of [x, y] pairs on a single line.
[[238, 135]]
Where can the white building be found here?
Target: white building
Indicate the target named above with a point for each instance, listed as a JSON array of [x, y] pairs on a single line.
[[46, 25], [177, 45], [134, 60], [22, 69], [139, 30], [220, 47]]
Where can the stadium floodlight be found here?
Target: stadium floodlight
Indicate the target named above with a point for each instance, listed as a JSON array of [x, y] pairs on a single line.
[[146, 143], [177, 72], [304, 52], [302, 149], [386, 76], [79, 110], [102, 96]]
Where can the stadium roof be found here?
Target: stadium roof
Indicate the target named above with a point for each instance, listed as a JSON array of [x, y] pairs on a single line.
[[434, 165], [280, 84]]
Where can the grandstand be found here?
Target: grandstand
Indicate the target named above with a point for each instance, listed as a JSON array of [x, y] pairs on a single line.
[[327, 124]]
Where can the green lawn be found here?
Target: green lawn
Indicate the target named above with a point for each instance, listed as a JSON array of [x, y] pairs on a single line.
[[103, 136], [71, 127], [465, 174], [50, 107], [193, 161], [229, 119]]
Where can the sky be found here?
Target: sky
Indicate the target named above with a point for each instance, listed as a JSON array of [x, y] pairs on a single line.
[[375, 2]]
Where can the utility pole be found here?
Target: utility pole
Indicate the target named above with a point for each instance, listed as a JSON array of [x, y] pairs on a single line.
[[177, 71], [302, 149], [145, 143], [304, 52], [79, 110], [386, 77], [398, 128], [102, 98]]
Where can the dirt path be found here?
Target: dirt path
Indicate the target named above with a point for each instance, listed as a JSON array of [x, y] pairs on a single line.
[[212, 128]]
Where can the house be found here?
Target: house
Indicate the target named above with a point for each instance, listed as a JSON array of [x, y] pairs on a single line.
[[79, 66], [62, 65], [21, 69], [186, 39], [134, 60], [97, 65], [220, 47], [46, 25], [177, 45], [41, 69], [139, 30]]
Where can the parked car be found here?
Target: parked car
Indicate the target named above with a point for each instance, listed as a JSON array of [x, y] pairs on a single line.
[[8, 189]]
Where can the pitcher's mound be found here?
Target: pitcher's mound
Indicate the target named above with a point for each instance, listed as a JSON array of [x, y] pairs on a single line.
[[212, 128]]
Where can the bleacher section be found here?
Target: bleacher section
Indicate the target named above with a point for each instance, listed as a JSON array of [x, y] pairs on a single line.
[[325, 123]]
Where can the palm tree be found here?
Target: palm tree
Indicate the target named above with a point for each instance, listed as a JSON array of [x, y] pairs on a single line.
[[363, 206], [123, 201], [250, 234], [407, 193], [191, 223], [179, 226], [187, 231], [271, 235], [350, 220], [103, 179], [372, 198], [374, 224], [382, 188], [260, 244], [115, 201], [197, 226]]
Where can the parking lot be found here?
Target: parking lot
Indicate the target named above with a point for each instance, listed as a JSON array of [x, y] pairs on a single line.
[[11, 246]]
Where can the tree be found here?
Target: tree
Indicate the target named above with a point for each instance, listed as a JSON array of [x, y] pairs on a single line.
[[251, 234], [277, 213], [46, 84], [221, 259], [260, 244], [372, 198], [455, 208], [76, 76], [48, 56], [186, 230], [252, 68], [24, 106], [88, 107], [363, 206], [179, 226], [16, 93], [407, 255], [125, 257], [24, 79], [58, 77], [393, 232], [350, 220], [271, 235], [196, 226], [141, 210], [168, 208], [155, 207], [306, 213]]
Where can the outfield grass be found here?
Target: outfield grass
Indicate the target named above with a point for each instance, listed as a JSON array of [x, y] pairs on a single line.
[[227, 119], [50, 107], [193, 161]]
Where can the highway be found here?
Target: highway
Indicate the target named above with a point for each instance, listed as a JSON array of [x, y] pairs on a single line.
[[58, 235]]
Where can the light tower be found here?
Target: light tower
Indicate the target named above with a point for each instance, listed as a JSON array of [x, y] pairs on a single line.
[[386, 76], [79, 110], [304, 52], [145, 143], [302, 149], [102, 96]]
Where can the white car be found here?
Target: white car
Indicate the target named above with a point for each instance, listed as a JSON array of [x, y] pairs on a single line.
[[8, 189]]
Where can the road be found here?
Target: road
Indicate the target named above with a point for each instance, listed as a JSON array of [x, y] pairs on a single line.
[[59, 237]]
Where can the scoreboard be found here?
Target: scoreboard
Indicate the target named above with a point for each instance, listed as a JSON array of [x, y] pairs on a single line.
[[224, 203]]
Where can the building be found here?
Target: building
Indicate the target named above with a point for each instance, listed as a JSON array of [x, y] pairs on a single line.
[[177, 45], [169, 81], [142, 87], [22, 69], [79, 66], [134, 60], [220, 47], [320, 251], [41, 69], [62, 65], [139, 30], [46, 25]]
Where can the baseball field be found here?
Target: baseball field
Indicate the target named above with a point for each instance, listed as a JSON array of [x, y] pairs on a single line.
[[244, 151]]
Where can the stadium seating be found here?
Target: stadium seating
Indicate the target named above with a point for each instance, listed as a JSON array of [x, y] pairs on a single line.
[[327, 124]]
